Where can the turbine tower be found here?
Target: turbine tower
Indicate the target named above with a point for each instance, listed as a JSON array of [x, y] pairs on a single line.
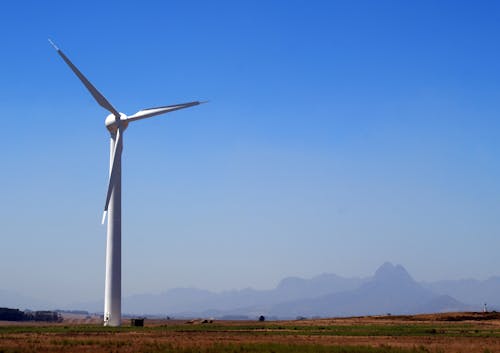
[[116, 123]]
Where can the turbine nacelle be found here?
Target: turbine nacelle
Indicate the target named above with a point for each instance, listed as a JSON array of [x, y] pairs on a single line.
[[112, 123]]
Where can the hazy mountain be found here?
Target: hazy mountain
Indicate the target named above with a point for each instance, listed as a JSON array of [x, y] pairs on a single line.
[[442, 304], [10, 299], [390, 290], [292, 288], [472, 291], [190, 301]]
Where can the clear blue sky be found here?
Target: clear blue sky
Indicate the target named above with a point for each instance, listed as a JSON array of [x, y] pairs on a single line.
[[339, 135]]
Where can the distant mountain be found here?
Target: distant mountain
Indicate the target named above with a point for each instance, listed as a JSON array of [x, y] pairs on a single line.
[[193, 301], [292, 288], [443, 304], [391, 290], [189, 301], [10, 299], [472, 291]]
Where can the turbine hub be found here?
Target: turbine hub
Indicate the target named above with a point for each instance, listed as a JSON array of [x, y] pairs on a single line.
[[112, 123]]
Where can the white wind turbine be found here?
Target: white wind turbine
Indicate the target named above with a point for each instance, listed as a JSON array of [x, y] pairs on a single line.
[[116, 123]]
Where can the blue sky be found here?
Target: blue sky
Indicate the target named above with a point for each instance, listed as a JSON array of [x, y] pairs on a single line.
[[339, 135]]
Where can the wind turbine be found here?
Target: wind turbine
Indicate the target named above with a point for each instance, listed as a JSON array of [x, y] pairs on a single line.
[[116, 123]]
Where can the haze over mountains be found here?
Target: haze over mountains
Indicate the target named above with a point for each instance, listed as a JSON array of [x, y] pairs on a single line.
[[390, 290]]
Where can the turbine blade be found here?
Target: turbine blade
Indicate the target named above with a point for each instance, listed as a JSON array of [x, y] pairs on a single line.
[[101, 100], [117, 153], [147, 113]]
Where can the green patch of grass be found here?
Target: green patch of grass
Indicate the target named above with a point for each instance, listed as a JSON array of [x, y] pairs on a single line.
[[466, 330], [277, 348], [396, 330], [74, 342]]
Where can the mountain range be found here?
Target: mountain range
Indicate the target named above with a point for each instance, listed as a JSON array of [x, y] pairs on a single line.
[[390, 290]]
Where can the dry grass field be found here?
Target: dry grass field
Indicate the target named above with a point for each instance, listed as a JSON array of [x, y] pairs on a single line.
[[458, 332]]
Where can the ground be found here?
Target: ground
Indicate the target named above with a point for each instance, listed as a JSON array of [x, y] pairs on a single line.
[[457, 332]]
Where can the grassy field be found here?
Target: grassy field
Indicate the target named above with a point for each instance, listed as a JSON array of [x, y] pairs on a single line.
[[424, 333]]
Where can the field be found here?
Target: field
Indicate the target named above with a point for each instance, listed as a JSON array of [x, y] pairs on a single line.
[[459, 332]]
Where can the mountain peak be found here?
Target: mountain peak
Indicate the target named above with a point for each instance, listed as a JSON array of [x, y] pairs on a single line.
[[390, 272]]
